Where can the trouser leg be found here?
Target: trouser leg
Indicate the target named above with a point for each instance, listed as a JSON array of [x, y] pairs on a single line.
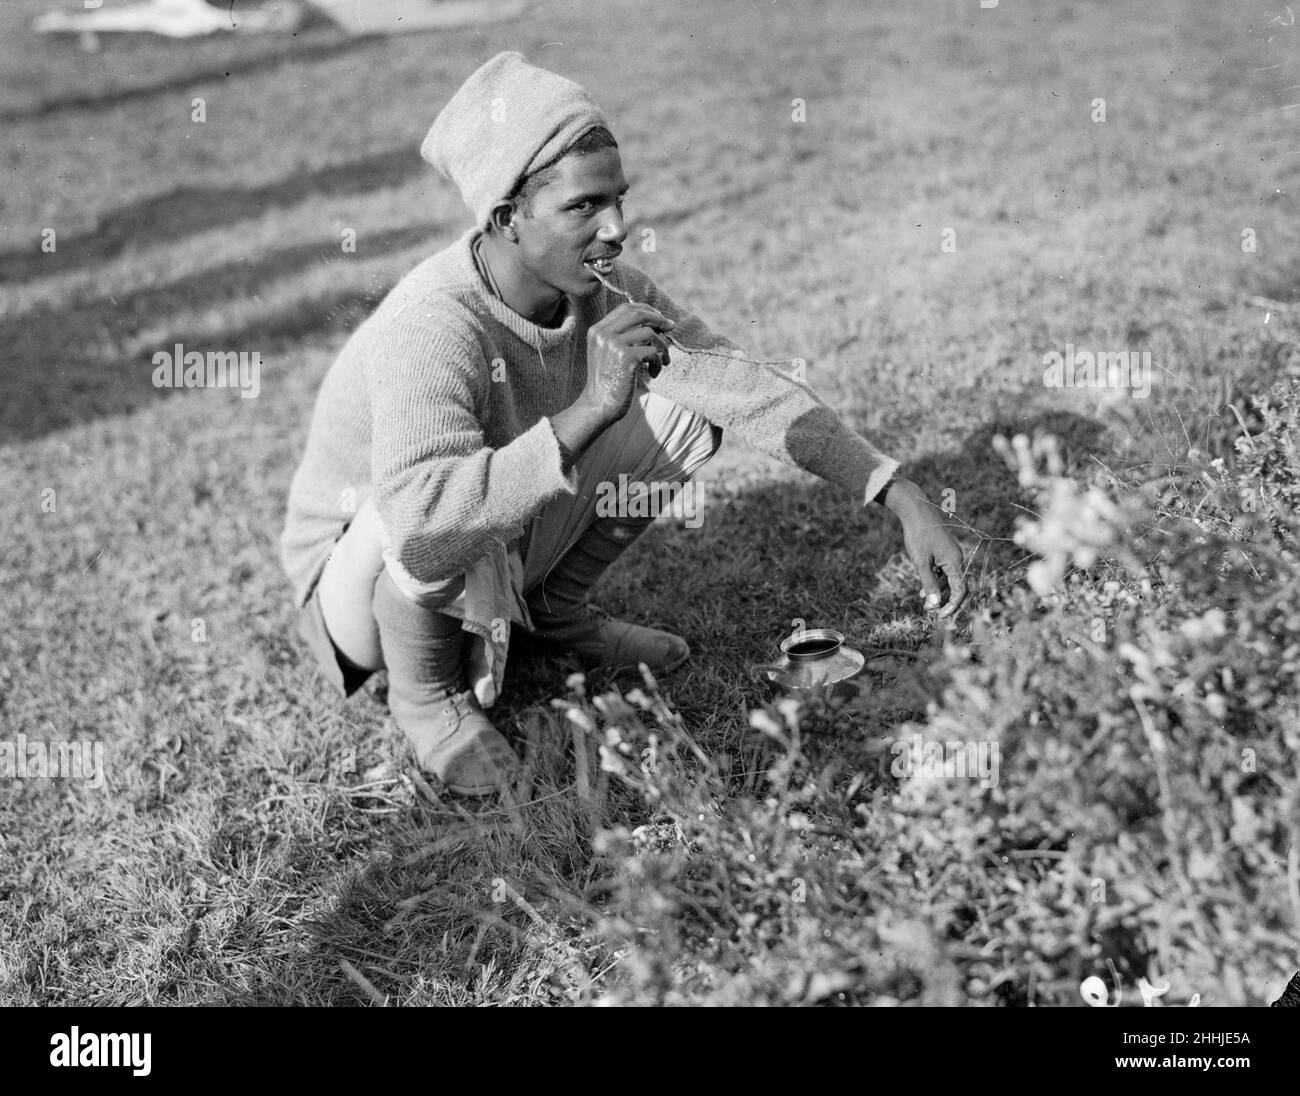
[[424, 651], [638, 466], [655, 442], [575, 539]]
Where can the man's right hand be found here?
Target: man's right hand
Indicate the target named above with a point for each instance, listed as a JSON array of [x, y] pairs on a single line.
[[617, 347]]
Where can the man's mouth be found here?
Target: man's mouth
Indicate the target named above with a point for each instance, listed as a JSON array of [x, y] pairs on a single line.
[[602, 264]]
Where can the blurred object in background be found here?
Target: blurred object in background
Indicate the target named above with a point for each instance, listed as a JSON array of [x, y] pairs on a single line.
[[175, 18], [195, 18], [359, 17]]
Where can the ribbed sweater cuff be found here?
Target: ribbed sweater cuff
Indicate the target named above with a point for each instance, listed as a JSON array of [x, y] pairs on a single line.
[[548, 455], [849, 459]]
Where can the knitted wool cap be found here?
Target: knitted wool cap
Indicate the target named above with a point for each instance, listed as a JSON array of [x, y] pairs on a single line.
[[508, 119]]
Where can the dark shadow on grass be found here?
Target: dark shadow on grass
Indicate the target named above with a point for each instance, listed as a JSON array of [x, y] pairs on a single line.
[[331, 43], [51, 395], [65, 365], [813, 555], [190, 209]]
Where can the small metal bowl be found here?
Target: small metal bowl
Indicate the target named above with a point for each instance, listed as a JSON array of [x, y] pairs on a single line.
[[814, 662]]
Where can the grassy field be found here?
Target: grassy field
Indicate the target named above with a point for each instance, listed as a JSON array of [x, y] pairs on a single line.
[[258, 842]]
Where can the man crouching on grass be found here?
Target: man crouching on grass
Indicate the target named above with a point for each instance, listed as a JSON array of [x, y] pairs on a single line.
[[462, 438]]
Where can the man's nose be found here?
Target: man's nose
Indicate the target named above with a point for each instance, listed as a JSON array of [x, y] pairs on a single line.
[[613, 231]]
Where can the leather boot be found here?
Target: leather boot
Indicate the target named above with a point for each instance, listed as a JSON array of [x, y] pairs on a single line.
[[563, 621], [443, 723]]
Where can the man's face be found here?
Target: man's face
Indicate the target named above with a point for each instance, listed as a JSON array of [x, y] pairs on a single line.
[[577, 218]]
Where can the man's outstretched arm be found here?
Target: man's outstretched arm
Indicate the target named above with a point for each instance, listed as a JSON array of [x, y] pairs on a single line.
[[786, 419]]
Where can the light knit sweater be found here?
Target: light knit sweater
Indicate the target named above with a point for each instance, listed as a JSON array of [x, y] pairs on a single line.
[[440, 403]]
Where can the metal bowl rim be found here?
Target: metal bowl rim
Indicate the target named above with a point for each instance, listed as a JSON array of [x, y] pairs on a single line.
[[812, 634]]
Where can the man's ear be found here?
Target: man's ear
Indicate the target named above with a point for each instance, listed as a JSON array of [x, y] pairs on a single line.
[[502, 219]]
